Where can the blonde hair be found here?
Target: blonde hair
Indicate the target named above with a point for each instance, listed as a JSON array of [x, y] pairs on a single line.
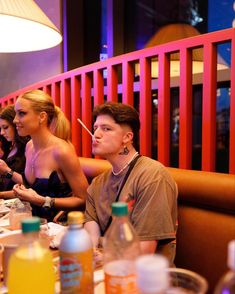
[[56, 119], [61, 129]]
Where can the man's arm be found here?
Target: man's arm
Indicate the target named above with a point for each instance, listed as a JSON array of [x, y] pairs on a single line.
[[148, 247], [93, 229]]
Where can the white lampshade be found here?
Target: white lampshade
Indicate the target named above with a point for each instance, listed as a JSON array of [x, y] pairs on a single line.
[[25, 27]]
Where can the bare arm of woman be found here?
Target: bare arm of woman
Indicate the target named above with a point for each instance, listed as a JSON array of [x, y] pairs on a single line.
[[7, 194], [69, 165]]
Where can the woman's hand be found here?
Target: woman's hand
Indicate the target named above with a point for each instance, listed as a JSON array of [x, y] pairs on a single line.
[[29, 195], [4, 168]]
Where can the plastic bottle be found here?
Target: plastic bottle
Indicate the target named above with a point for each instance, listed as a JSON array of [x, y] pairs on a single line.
[[121, 248], [226, 284], [76, 257], [152, 277], [31, 265]]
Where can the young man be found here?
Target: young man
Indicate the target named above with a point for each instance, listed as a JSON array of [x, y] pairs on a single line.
[[149, 190]]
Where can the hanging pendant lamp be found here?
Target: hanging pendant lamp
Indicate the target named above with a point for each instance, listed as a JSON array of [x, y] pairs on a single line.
[[25, 27], [173, 32]]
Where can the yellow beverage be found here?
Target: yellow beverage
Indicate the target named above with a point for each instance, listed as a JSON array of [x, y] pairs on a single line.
[[31, 271]]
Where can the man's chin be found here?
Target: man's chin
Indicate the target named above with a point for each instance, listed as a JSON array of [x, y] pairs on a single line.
[[97, 153]]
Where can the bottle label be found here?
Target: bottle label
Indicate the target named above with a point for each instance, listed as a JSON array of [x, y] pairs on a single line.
[[120, 284], [76, 272]]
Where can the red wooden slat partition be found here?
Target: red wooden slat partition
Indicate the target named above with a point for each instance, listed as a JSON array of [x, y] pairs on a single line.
[[209, 108], [232, 110], [164, 109], [114, 79], [185, 136]]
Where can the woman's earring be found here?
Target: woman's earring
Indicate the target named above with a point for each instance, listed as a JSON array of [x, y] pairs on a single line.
[[125, 151]]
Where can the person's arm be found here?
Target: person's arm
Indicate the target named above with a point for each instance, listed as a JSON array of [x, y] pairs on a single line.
[[17, 177], [148, 247], [7, 194], [5, 169], [94, 231], [69, 165]]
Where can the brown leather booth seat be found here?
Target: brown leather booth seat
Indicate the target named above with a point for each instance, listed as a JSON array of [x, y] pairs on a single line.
[[206, 213]]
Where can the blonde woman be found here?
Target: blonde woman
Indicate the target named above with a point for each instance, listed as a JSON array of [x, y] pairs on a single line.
[[53, 178]]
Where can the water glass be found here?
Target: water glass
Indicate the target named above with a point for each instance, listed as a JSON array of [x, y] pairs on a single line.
[[186, 281], [17, 215], [44, 233]]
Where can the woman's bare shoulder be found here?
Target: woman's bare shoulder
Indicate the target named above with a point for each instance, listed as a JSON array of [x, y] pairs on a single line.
[[62, 148], [29, 145]]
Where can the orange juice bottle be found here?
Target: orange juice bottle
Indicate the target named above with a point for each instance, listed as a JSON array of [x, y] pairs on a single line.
[[121, 248], [31, 265], [76, 257]]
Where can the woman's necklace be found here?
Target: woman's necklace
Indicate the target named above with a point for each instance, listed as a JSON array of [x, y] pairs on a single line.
[[35, 156], [125, 166]]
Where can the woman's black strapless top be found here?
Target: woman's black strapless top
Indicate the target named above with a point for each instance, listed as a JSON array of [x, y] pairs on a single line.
[[51, 187]]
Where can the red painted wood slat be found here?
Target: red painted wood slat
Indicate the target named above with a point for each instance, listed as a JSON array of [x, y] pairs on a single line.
[[65, 99], [86, 114], [185, 136], [98, 87], [164, 109], [76, 113], [145, 107], [209, 107], [232, 110], [112, 83], [127, 82]]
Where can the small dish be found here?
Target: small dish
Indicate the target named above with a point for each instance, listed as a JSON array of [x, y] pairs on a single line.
[[4, 210], [4, 222]]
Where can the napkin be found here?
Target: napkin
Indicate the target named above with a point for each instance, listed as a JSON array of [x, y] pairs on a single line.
[[56, 232]]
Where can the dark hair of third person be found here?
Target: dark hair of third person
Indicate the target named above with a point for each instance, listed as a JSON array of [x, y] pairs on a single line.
[[8, 114], [122, 114]]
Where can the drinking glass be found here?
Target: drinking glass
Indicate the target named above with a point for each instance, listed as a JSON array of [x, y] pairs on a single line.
[[44, 233], [186, 281], [17, 214]]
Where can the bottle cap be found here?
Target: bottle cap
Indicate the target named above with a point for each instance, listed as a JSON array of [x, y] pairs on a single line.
[[231, 255], [152, 276], [31, 224], [75, 217], [119, 208]]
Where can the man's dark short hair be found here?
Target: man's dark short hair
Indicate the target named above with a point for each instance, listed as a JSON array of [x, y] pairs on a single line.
[[123, 114]]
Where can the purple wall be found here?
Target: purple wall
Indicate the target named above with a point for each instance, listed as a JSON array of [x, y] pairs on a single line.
[[18, 70]]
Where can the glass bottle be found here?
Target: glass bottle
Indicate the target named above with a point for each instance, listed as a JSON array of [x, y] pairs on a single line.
[[121, 248], [76, 257], [31, 267]]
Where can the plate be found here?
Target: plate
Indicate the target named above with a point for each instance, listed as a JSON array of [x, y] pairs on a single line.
[[4, 210], [9, 202], [4, 222], [3, 231]]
